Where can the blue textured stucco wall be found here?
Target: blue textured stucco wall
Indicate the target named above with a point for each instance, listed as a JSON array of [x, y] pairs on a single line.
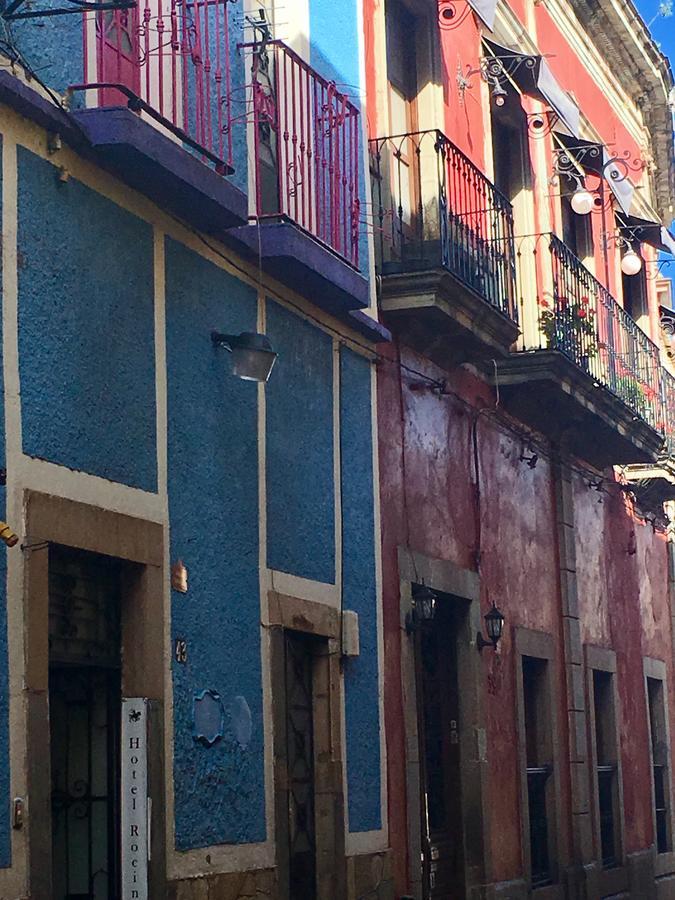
[[213, 509], [362, 709], [53, 47], [300, 477], [5, 832], [86, 329]]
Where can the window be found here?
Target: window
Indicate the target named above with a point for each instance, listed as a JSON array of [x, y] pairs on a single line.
[[539, 767], [660, 767], [606, 767], [577, 232], [402, 30], [635, 297], [510, 147]]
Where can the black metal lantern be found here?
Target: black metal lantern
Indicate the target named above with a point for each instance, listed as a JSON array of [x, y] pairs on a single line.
[[494, 627], [423, 607]]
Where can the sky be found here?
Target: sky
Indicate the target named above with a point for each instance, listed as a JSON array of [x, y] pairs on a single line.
[[662, 27], [663, 31]]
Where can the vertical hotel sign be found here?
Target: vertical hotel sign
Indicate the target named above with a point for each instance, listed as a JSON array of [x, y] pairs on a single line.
[[135, 842]]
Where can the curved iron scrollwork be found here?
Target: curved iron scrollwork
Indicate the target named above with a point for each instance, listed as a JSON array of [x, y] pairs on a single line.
[[668, 324], [451, 13]]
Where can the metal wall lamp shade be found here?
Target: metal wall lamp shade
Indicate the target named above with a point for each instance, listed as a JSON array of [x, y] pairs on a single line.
[[494, 627], [253, 357]]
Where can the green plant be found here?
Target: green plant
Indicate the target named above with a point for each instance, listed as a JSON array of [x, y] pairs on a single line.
[[567, 324]]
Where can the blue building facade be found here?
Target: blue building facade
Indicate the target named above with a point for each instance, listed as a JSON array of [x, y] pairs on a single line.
[[203, 543]]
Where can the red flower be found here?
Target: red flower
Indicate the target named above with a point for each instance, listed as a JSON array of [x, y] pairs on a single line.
[[581, 313]]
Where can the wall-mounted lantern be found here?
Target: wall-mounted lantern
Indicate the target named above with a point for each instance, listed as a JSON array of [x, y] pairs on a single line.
[[494, 628], [252, 354], [424, 602]]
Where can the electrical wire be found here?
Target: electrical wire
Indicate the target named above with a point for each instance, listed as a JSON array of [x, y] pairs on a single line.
[[499, 418], [8, 45]]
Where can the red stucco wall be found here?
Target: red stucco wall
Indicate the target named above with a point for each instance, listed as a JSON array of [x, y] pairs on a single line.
[[622, 583]]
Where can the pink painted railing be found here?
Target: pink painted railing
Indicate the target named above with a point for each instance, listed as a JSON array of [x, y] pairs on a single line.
[[306, 135], [169, 60]]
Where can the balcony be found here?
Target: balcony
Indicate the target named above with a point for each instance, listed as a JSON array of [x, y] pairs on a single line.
[[305, 136], [654, 484], [585, 374], [445, 249], [156, 94]]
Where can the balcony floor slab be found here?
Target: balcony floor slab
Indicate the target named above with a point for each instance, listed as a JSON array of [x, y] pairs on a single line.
[[548, 392], [162, 169], [296, 259], [654, 484], [445, 320]]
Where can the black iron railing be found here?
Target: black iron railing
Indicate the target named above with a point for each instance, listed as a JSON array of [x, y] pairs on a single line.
[[434, 208], [540, 859], [668, 406], [580, 318], [606, 776], [661, 807]]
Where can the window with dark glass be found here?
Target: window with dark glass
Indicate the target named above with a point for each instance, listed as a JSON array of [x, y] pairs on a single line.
[[661, 770], [539, 763], [635, 295], [606, 766], [509, 147], [577, 232]]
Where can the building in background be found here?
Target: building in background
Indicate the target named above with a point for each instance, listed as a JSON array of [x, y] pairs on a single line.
[[522, 169], [176, 684]]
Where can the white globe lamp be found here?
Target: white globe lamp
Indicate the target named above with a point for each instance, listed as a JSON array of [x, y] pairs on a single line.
[[631, 263], [582, 202]]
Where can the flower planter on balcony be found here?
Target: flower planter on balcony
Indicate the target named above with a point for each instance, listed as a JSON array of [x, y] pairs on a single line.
[[589, 378], [445, 251]]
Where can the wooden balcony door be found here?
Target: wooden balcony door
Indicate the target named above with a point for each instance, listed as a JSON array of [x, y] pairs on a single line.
[[118, 53], [402, 80]]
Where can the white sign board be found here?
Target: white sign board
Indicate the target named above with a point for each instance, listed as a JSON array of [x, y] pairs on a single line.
[[135, 806]]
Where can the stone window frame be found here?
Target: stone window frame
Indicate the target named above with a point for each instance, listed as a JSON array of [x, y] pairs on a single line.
[[540, 645], [613, 880], [462, 586], [139, 545], [656, 669]]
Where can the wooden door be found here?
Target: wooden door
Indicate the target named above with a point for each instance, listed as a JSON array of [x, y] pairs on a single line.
[[439, 734], [118, 53], [401, 35]]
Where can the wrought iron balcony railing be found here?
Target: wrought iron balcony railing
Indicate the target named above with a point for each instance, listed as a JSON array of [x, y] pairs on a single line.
[[668, 394], [434, 208], [307, 158], [581, 319], [168, 60]]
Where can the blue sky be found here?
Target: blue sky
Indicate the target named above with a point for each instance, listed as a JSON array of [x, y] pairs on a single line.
[[663, 29]]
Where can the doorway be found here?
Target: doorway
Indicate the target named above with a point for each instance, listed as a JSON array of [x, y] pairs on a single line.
[[299, 653], [84, 715], [439, 733]]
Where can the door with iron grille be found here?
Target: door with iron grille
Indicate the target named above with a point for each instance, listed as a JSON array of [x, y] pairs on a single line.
[[84, 715], [438, 730], [299, 657]]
